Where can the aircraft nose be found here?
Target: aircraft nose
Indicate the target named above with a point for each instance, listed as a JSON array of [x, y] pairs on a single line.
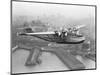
[[83, 39]]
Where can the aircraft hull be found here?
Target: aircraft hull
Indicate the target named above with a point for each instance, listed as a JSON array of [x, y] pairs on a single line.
[[74, 40], [66, 40], [57, 39]]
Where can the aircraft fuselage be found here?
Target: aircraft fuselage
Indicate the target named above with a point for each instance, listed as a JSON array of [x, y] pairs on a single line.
[[70, 39]]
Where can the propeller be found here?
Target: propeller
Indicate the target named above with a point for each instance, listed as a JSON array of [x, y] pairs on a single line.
[[64, 28]]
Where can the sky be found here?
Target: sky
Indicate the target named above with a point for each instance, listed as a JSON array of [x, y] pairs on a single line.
[[40, 9]]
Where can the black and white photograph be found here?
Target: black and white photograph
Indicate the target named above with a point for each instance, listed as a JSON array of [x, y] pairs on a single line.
[[52, 37]]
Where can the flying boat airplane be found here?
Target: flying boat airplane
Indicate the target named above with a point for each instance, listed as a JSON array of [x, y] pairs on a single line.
[[64, 36]]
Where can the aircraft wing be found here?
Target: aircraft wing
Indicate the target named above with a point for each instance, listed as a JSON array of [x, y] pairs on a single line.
[[80, 26], [37, 33]]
